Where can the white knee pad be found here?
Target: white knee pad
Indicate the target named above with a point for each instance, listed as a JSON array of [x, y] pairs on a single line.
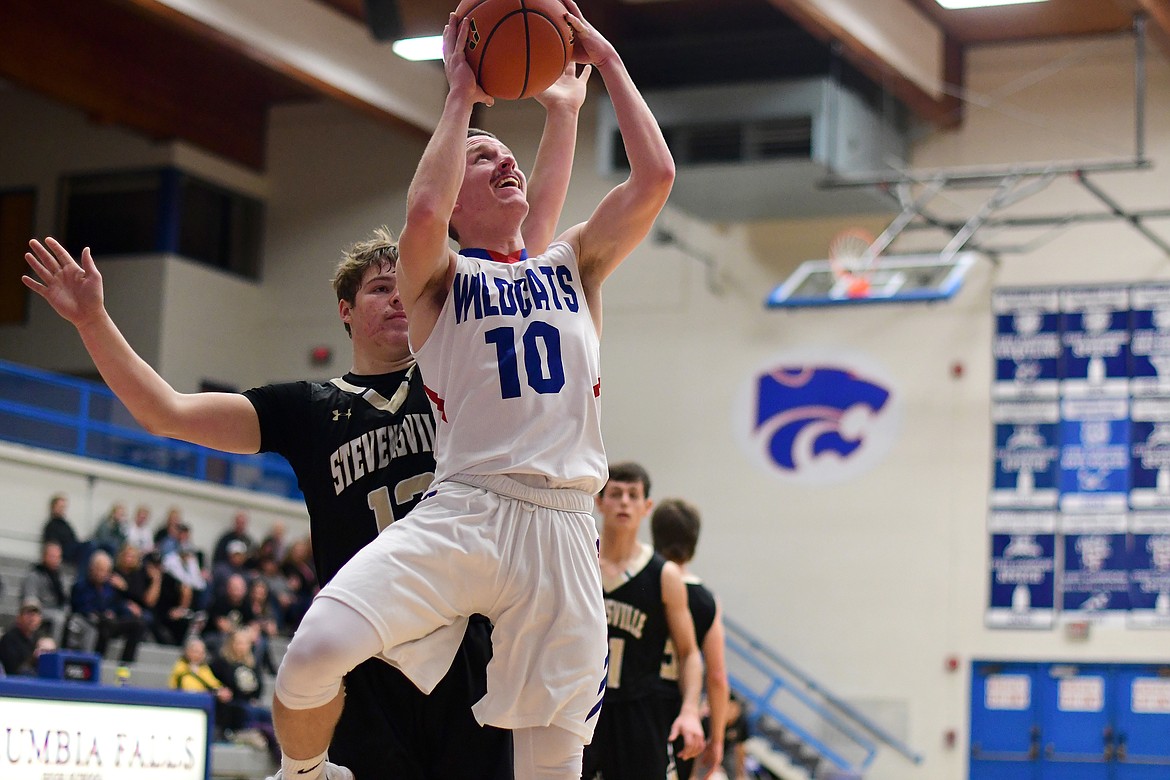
[[331, 640], [547, 753]]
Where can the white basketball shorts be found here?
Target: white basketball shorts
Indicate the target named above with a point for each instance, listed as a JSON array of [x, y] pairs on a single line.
[[525, 557]]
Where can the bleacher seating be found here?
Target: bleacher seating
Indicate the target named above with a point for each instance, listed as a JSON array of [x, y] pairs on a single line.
[[152, 669]]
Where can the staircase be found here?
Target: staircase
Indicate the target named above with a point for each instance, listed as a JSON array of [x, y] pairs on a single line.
[[800, 729]]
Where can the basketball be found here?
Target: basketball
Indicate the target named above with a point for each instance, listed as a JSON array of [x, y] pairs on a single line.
[[517, 48]]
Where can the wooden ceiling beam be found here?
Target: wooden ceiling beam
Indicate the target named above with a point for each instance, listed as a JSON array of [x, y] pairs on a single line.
[[1158, 12], [122, 68]]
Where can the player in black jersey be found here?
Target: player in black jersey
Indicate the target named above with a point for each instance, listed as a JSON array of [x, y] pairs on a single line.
[[645, 605], [362, 448], [674, 528]]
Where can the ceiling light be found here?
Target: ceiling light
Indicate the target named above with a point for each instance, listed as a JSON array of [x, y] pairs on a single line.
[[956, 4], [428, 47]]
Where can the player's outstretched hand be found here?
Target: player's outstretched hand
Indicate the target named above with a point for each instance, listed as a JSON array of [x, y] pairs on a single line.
[[569, 90], [460, 76], [73, 289], [588, 44], [687, 726]]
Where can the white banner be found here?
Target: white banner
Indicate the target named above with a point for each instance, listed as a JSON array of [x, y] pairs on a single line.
[[74, 740]]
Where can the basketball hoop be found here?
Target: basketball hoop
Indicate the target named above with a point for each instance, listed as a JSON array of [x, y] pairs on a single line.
[[853, 261]]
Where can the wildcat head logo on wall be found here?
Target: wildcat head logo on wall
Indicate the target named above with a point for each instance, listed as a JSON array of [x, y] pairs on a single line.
[[819, 420]]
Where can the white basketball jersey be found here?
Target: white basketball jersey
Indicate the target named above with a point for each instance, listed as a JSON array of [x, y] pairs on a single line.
[[513, 371]]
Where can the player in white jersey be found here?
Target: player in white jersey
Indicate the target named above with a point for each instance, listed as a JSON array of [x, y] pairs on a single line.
[[507, 531]]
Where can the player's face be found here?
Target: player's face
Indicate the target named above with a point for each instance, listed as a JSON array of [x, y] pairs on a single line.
[[376, 318], [623, 503], [491, 178]]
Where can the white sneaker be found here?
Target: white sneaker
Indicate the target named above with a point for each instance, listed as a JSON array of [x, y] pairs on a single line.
[[332, 772]]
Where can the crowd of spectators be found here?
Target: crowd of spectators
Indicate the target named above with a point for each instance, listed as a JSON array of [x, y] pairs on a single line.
[[134, 582]]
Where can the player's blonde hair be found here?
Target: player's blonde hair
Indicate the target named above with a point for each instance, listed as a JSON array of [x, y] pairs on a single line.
[[379, 250]]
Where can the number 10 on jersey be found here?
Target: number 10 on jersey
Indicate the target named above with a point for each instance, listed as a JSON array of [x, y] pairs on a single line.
[[543, 370]]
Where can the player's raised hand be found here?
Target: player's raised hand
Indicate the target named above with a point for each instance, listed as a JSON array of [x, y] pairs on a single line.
[[569, 90], [588, 44], [460, 76], [73, 289]]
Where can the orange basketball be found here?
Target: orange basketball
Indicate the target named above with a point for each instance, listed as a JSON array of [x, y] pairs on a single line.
[[517, 48]]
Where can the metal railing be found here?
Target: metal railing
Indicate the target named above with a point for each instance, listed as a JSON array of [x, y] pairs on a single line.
[[797, 714], [80, 417]]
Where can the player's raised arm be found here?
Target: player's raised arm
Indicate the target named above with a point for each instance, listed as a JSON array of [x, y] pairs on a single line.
[[549, 183], [424, 256], [223, 421], [627, 213]]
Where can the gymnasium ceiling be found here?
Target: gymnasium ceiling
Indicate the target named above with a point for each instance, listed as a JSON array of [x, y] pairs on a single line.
[[146, 66]]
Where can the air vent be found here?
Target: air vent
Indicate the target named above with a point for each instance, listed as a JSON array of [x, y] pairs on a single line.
[[758, 151]]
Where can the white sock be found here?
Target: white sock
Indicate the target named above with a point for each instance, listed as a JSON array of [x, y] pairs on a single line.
[[295, 767]]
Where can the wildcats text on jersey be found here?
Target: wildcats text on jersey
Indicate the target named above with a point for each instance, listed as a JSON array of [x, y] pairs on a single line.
[[481, 296], [377, 449], [625, 617]]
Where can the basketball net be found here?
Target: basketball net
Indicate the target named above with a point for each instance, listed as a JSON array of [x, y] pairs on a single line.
[[852, 260]]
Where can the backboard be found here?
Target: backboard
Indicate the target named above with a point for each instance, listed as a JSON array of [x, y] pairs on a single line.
[[895, 279]]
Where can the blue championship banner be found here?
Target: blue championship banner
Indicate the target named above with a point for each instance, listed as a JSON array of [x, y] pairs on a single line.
[[1149, 570], [1027, 454], [1094, 454], [1095, 336], [1094, 579], [1149, 453], [1149, 351], [1026, 343], [1023, 570]]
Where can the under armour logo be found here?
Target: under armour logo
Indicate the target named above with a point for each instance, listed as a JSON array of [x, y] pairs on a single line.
[[337, 414]]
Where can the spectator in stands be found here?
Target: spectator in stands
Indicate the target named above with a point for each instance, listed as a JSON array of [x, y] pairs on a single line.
[[96, 601], [191, 673], [259, 602], [174, 617], [58, 529], [235, 665], [279, 592], [46, 583], [237, 533], [228, 612], [139, 534], [18, 645], [234, 562], [302, 579], [736, 734], [139, 580], [110, 533], [276, 540], [183, 563], [166, 536]]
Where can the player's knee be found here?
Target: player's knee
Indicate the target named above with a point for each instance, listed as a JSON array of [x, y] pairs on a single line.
[[309, 675], [327, 645]]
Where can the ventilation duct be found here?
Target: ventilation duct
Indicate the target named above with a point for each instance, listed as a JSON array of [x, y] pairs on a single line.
[[759, 151]]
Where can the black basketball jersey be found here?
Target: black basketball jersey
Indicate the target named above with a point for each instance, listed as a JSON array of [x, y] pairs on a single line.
[[701, 602], [637, 632], [362, 448]]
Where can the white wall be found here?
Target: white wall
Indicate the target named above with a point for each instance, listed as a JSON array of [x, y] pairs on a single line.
[[871, 584], [31, 476]]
